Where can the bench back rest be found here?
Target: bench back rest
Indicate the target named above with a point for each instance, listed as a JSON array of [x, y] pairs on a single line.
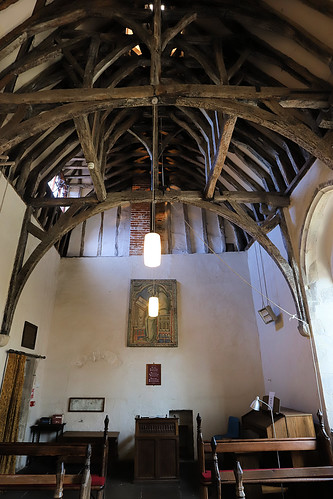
[[105, 447], [100, 451], [82, 451], [42, 449], [263, 445], [201, 447]]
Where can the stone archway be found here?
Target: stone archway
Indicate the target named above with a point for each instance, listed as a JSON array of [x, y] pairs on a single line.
[[317, 268]]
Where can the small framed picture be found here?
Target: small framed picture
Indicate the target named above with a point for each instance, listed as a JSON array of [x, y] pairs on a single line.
[[153, 374], [86, 404], [29, 335]]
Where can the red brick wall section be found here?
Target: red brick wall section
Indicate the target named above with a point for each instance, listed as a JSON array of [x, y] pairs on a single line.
[[140, 225], [140, 219]]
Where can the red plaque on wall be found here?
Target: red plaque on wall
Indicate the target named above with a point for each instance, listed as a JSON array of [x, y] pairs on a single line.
[[153, 374]]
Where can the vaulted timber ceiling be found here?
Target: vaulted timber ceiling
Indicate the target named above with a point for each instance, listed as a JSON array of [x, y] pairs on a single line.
[[228, 103]]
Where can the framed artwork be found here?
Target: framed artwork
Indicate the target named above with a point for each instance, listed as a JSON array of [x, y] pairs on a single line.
[[153, 374], [29, 335], [86, 404], [145, 331]]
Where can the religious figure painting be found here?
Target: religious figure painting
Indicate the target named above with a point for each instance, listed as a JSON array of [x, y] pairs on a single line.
[[160, 331]]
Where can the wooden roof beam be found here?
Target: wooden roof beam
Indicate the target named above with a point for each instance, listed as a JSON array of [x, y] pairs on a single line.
[[215, 172], [76, 215], [287, 97], [276, 200], [282, 123], [89, 150]]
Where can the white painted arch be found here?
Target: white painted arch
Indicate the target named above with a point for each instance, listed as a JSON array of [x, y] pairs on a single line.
[[317, 269]]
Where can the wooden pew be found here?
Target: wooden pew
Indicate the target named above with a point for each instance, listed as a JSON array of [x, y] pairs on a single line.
[[99, 461], [203, 449], [57, 481], [276, 475]]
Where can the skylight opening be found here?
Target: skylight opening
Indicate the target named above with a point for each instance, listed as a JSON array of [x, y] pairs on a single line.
[[59, 189], [137, 50], [151, 6]]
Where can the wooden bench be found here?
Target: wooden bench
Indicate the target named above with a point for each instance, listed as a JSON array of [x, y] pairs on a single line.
[[278, 475], [57, 481], [203, 449], [99, 458], [281, 476]]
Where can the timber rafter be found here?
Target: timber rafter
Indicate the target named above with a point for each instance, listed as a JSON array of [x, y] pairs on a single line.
[[79, 212], [95, 94]]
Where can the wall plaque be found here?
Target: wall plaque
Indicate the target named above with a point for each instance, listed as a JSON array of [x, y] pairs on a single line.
[[153, 374], [86, 404]]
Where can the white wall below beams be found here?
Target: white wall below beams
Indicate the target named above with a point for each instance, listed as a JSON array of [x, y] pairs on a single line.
[[215, 370]]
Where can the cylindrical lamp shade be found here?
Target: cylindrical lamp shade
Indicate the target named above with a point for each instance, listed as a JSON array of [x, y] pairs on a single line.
[[153, 306], [152, 250]]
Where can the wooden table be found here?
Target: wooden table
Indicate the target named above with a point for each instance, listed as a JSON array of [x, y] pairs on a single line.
[[37, 429], [93, 437]]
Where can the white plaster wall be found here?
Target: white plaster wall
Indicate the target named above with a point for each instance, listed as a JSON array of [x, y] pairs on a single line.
[[287, 361], [215, 370], [37, 299]]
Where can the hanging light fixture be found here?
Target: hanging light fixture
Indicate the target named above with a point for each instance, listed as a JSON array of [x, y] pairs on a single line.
[[152, 250], [152, 241], [153, 306]]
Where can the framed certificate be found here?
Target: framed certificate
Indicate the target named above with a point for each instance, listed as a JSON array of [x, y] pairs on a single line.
[[86, 404]]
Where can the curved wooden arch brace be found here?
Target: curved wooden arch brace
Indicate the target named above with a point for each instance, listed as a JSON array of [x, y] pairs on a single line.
[[90, 100], [76, 214], [52, 17]]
